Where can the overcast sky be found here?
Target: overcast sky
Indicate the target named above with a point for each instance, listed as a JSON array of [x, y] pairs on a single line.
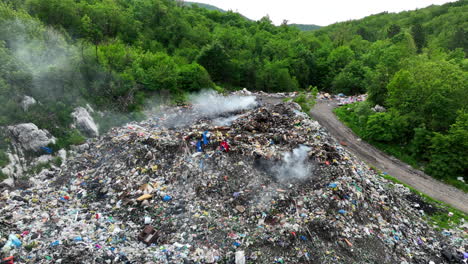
[[323, 12]]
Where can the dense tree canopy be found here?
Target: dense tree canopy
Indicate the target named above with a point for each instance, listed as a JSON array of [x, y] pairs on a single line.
[[114, 54]]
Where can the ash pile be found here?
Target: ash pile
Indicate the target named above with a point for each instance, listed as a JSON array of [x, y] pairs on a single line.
[[262, 184]]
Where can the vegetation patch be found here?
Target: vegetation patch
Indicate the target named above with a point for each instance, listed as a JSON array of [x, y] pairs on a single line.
[[305, 99], [389, 132], [2, 176], [4, 160]]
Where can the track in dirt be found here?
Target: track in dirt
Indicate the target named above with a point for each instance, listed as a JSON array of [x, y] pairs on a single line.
[[323, 113]]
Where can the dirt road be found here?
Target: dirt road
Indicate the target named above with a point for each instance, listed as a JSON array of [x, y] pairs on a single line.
[[323, 113]]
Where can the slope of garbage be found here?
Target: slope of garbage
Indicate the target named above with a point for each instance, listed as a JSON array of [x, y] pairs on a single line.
[[261, 185]]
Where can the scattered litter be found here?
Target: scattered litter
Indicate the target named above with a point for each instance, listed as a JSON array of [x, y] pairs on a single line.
[[162, 191]]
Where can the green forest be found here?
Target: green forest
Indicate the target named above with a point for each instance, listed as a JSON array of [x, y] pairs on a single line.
[[118, 54]]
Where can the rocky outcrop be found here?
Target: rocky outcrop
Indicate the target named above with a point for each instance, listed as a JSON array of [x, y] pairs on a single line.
[[27, 102], [13, 169], [85, 122], [29, 137]]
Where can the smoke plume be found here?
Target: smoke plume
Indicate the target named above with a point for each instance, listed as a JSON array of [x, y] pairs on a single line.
[[211, 103], [225, 121], [45, 54], [295, 165]]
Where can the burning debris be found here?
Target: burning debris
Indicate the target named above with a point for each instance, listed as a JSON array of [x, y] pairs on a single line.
[[270, 186]]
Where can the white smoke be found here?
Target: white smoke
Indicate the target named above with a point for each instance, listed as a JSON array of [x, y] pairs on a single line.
[[225, 121], [295, 165], [211, 103], [45, 53]]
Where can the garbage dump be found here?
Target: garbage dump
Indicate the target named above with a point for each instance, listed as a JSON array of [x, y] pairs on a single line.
[[269, 186]]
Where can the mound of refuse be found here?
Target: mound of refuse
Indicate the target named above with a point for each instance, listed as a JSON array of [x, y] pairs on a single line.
[[268, 186]]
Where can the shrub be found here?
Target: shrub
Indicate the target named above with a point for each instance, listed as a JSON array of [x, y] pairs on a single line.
[[4, 160], [71, 137]]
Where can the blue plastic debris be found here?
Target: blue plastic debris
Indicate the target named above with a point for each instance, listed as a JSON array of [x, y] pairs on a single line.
[[167, 198], [55, 243], [237, 244], [206, 137], [341, 211], [199, 146], [303, 238], [332, 185], [47, 150], [13, 240], [446, 233], [78, 238]]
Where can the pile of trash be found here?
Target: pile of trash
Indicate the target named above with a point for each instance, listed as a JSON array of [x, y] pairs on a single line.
[[261, 185], [344, 100], [262, 94]]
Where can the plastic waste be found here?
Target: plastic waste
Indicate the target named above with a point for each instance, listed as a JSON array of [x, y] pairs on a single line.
[[47, 150], [224, 146], [240, 257], [13, 241]]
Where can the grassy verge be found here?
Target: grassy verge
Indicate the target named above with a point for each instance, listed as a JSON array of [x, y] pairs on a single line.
[[350, 119], [440, 218]]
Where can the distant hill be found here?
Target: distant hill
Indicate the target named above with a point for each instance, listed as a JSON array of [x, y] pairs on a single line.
[[302, 27], [305, 27], [211, 7], [207, 6]]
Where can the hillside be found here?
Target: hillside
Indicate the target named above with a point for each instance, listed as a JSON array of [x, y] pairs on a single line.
[[206, 6], [305, 27]]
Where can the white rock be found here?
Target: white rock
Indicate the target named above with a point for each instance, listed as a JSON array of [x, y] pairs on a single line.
[[85, 122], [42, 160], [27, 102], [30, 137], [9, 182], [90, 109], [63, 155]]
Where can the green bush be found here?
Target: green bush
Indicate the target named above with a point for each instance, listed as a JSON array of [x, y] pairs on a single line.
[[4, 160], [2, 176], [193, 78], [449, 152], [306, 101], [70, 137]]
